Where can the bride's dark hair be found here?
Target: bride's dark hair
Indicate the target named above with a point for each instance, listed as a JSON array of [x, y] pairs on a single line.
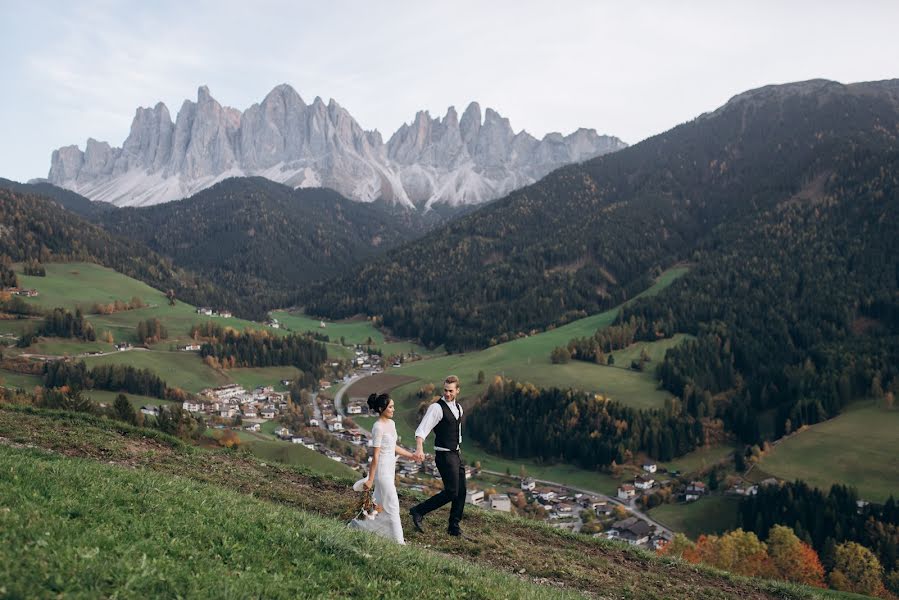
[[378, 402]]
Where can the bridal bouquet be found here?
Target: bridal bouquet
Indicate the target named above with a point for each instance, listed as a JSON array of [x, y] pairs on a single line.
[[364, 507]]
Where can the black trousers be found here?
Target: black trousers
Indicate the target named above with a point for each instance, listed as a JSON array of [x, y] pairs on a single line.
[[452, 472]]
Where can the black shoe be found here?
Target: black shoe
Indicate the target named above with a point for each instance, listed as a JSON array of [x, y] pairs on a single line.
[[454, 531], [417, 520]]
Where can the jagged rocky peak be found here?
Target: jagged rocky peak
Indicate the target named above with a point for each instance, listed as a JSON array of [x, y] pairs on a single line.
[[426, 161]]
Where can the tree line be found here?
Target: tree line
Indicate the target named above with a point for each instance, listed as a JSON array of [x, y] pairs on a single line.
[[263, 349], [115, 378], [520, 421], [61, 322], [827, 519]]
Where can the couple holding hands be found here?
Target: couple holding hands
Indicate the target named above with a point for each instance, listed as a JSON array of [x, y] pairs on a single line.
[[444, 418]]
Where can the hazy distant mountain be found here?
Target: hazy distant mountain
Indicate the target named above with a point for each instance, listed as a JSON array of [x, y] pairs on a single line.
[[430, 161]]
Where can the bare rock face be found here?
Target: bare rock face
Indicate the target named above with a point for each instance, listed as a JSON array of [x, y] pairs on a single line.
[[428, 161]]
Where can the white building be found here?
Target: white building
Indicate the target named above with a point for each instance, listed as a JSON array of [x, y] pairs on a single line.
[[191, 406], [644, 483], [528, 484], [650, 467], [501, 502], [475, 497], [626, 492]]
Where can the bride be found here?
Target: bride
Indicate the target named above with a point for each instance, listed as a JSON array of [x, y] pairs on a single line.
[[382, 472]]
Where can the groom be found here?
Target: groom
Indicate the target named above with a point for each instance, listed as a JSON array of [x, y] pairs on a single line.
[[444, 418]]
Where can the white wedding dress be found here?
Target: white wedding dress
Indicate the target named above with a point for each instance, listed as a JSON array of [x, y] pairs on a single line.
[[387, 522]]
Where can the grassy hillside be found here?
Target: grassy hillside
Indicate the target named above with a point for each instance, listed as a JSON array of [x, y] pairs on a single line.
[[134, 535], [711, 514], [295, 454], [857, 448], [73, 285], [527, 359], [272, 530]]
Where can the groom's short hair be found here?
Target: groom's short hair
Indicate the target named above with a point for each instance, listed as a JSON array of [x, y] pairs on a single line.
[[452, 379]]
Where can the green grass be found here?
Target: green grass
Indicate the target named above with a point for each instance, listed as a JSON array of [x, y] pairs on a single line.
[[701, 459], [354, 331], [106, 397], [67, 347], [857, 448], [76, 528], [710, 514], [528, 359], [185, 370], [254, 377], [71, 285], [148, 516], [10, 379], [15, 327], [295, 454]]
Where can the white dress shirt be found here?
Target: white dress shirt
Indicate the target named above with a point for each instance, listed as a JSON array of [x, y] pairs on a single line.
[[433, 416]]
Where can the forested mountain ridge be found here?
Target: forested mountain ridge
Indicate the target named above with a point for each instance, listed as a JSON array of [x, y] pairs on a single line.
[[588, 236], [66, 198], [260, 238], [36, 228]]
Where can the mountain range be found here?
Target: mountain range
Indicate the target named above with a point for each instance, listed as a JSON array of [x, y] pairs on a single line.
[[451, 160]]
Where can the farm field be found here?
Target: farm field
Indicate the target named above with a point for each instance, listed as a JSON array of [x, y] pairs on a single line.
[[376, 384], [710, 514], [857, 448]]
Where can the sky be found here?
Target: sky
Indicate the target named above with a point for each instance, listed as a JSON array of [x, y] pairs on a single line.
[[74, 70]]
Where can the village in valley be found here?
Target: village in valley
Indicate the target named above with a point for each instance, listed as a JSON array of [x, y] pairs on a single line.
[[328, 427]]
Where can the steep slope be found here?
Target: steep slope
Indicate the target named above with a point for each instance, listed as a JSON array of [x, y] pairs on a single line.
[[284, 139], [588, 236], [128, 505]]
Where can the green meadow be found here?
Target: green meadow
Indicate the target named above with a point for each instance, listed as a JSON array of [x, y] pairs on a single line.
[[710, 514], [185, 370], [857, 448]]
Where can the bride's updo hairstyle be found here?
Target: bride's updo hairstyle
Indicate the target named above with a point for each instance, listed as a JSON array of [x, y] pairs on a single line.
[[378, 402]]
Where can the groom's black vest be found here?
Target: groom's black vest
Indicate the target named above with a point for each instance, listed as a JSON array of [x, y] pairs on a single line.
[[448, 430]]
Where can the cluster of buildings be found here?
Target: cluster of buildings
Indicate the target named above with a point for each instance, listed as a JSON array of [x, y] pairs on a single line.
[[646, 481], [362, 359], [229, 401], [225, 314], [28, 293]]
